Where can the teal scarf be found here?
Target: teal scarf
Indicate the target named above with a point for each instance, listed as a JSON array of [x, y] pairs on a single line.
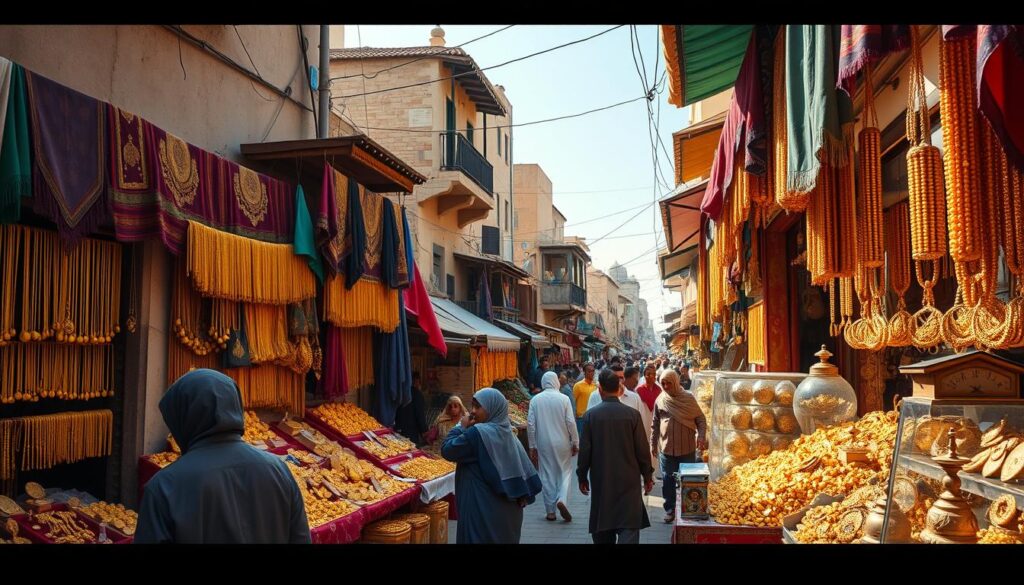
[[15, 164], [304, 242]]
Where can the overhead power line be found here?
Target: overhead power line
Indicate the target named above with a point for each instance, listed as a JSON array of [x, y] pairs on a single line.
[[475, 71]]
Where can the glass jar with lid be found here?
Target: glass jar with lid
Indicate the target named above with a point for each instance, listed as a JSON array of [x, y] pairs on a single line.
[[824, 398]]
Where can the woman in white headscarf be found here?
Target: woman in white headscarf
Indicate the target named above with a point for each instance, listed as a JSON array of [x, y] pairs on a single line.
[[551, 428], [494, 479]]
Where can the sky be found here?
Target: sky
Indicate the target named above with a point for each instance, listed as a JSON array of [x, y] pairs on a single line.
[[601, 165]]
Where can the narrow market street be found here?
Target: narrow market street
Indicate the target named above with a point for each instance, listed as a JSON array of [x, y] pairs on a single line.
[[537, 530]]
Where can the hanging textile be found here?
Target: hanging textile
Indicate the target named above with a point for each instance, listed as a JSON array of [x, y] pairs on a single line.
[[303, 240], [270, 386], [170, 182], [492, 366], [226, 266], [1001, 85], [394, 260], [484, 296], [864, 44], [335, 381], [359, 356], [815, 134], [409, 245], [15, 159], [417, 302], [394, 371], [368, 303], [68, 140], [330, 224], [744, 125]]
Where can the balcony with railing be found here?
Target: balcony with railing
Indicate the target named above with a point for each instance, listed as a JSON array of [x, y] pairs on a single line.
[[562, 296], [503, 313], [459, 154]]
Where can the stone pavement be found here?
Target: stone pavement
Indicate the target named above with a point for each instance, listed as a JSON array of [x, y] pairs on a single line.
[[537, 530]]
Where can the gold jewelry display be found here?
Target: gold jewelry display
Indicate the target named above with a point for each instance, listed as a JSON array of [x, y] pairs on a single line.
[[226, 266], [368, 303], [267, 326], [52, 439], [346, 418], [270, 386], [425, 468], [32, 371]]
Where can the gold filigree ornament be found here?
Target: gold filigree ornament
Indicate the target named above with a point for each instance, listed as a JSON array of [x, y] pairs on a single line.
[[251, 195], [131, 323], [850, 525], [1003, 512], [130, 153], [237, 349], [179, 170]]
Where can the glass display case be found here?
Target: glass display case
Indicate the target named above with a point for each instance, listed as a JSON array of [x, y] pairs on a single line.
[[751, 416], [702, 386], [974, 496]]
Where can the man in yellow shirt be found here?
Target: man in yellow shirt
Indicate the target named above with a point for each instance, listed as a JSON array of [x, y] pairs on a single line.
[[581, 394]]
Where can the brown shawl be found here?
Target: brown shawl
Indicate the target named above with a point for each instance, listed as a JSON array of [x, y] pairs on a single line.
[[680, 405]]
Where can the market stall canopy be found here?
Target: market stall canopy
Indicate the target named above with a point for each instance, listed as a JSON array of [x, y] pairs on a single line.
[[454, 319], [680, 215], [695, 148], [524, 333], [677, 263], [356, 156], [545, 327], [702, 60]]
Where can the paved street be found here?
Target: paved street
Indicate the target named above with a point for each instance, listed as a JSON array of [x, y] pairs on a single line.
[[537, 530]]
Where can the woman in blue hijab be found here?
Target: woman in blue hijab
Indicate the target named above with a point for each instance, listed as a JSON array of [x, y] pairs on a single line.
[[494, 479]]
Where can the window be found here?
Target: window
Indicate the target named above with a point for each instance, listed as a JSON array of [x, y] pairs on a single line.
[[498, 208], [438, 267], [515, 219], [491, 240], [450, 289], [506, 216], [497, 133], [506, 149], [469, 132]]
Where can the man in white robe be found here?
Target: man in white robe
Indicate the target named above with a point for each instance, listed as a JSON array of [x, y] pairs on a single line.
[[551, 428]]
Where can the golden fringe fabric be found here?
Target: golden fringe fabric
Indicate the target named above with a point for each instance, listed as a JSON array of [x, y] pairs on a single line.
[[368, 304], [236, 268], [358, 348], [491, 366], [180, 360], [270, 386], [756, 332], [29, 372], [187, 316], [52, 439], [267, 330], [72, 295]]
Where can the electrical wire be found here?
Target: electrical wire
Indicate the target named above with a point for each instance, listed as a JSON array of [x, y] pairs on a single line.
[[481, 69]]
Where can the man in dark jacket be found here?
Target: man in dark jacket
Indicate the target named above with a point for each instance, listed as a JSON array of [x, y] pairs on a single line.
[[613, 457], [221, 489], [411, 419]]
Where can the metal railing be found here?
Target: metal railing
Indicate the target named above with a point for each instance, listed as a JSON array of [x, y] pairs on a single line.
[[563, 294], [460, 155], [506, 314]]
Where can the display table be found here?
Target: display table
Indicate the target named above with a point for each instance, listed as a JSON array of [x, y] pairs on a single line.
[[689, 531], [26, 530]]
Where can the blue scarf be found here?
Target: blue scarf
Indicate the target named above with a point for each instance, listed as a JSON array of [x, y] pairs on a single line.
[[506, 452]]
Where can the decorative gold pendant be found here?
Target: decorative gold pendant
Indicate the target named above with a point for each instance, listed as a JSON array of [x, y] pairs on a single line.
[[130, 323]]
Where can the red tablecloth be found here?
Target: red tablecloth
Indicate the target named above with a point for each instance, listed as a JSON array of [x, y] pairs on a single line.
[[39, 536], [344, 530], [710, 532]]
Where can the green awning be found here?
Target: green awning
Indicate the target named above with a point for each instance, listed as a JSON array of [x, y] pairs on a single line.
[[703, 60]]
